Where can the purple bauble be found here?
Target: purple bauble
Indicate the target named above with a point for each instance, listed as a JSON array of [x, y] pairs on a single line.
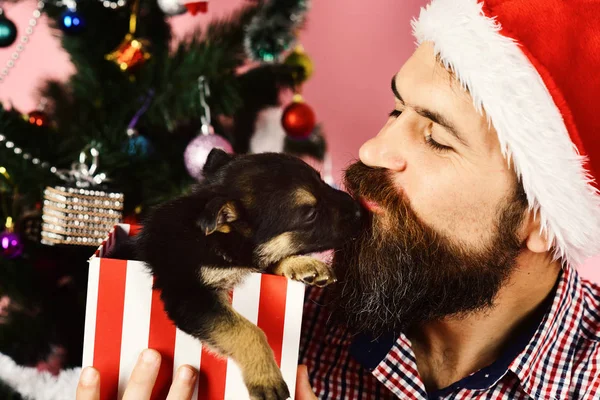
[[197, 151], [11, 245]]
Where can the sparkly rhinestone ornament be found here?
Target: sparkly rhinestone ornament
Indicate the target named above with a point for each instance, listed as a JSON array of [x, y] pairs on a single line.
[[79, 216], [80, 213]]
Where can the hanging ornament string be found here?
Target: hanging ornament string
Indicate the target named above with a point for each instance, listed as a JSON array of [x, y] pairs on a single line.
[[140, 112], [139, 145], [197, 150], [205, 118], [23, 41]]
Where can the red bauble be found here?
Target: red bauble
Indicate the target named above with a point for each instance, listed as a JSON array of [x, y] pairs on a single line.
[[298, 120], [38, 118]]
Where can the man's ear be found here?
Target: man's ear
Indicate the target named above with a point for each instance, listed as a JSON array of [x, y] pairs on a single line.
[[536, 240], [215, 160], [217, 215]]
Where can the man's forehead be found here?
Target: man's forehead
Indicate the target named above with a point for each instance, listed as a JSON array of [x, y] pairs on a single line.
[[425, 77], [424, 82]]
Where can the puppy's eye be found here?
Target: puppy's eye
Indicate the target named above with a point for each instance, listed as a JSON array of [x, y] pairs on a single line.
[[310, 215]]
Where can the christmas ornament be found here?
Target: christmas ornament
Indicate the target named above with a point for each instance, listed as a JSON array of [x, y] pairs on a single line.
[[131, 52], [197, 150], [272, 30], [11, 245], [81, 213], [79, 216], [298, 119], [194, 7], [138, 145], [23, 41], [38, 118], [71, 21], [8, 30], [298, 58], [171, 7]]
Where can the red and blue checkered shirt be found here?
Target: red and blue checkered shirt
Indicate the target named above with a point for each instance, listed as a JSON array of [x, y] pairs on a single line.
[[556, 357]]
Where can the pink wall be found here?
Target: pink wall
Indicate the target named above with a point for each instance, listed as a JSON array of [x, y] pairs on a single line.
[[356, 48]]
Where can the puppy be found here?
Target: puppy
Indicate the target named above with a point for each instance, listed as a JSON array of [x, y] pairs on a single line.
[[260, 213]]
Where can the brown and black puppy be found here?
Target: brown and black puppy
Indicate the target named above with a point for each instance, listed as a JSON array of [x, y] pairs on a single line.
[[259, 213]]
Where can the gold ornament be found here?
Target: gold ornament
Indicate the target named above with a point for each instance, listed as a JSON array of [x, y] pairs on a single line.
[[298, 58], [131, 53]]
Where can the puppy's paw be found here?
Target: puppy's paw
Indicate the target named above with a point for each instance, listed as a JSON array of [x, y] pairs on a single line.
[[267, 383], [307, 270], [276, 391]]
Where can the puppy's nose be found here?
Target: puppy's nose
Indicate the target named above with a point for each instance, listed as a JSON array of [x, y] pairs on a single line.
[[352, 211]]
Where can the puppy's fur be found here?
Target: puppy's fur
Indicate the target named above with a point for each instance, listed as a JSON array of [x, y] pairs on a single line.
[[259, 212]]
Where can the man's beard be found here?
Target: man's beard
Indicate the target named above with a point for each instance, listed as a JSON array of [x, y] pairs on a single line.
[[400, 272]]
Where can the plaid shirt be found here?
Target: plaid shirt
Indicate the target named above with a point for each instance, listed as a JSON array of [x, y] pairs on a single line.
[[557, 357]]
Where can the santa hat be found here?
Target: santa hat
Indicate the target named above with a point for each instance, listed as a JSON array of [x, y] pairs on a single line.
[[533, 66]]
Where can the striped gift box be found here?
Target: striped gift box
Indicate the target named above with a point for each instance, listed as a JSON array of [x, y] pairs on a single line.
[[124, 315]]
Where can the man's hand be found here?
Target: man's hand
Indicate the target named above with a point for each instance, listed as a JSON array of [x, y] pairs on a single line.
[[303, 389], [142, 380]]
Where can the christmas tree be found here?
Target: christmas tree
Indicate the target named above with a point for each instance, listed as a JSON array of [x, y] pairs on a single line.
[[127, 131]]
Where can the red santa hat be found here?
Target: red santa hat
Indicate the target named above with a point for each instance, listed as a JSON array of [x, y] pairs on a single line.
[[533, 66]]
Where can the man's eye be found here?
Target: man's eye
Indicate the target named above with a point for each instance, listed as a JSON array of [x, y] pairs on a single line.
[[395, 113]]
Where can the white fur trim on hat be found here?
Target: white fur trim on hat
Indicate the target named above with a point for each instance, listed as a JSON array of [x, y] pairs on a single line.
[[531, 131]]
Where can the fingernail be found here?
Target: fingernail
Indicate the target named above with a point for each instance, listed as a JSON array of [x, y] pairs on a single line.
[[185, 374], [89, 376], [149, 357]]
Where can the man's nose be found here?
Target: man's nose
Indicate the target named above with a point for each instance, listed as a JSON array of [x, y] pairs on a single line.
[[378, 152]]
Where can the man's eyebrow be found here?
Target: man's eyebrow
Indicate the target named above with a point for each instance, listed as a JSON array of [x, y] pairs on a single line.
[[395, 90], [431, 115]]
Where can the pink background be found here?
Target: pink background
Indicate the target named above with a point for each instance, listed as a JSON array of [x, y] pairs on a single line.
[[356, 48]]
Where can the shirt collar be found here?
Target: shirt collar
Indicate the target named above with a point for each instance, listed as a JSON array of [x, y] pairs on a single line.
[[539, 369], [544, 368]]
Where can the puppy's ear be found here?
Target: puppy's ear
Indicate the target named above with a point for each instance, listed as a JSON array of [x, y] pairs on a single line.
[[217, 215], [215, 160]]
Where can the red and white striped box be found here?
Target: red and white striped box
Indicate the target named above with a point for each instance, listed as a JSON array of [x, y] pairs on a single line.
[[124, 315]]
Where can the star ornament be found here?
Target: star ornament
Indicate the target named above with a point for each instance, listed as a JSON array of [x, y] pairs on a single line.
[[130, 54]]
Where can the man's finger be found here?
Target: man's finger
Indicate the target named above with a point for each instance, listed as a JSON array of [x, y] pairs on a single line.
[[183, 384], [143, 376], [88, 387], [303, 389]]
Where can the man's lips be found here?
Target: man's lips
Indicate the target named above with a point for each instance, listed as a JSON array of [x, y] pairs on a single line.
[[371, 205]]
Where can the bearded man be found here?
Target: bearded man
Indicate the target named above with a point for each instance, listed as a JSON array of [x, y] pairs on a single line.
[[462, 284]]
